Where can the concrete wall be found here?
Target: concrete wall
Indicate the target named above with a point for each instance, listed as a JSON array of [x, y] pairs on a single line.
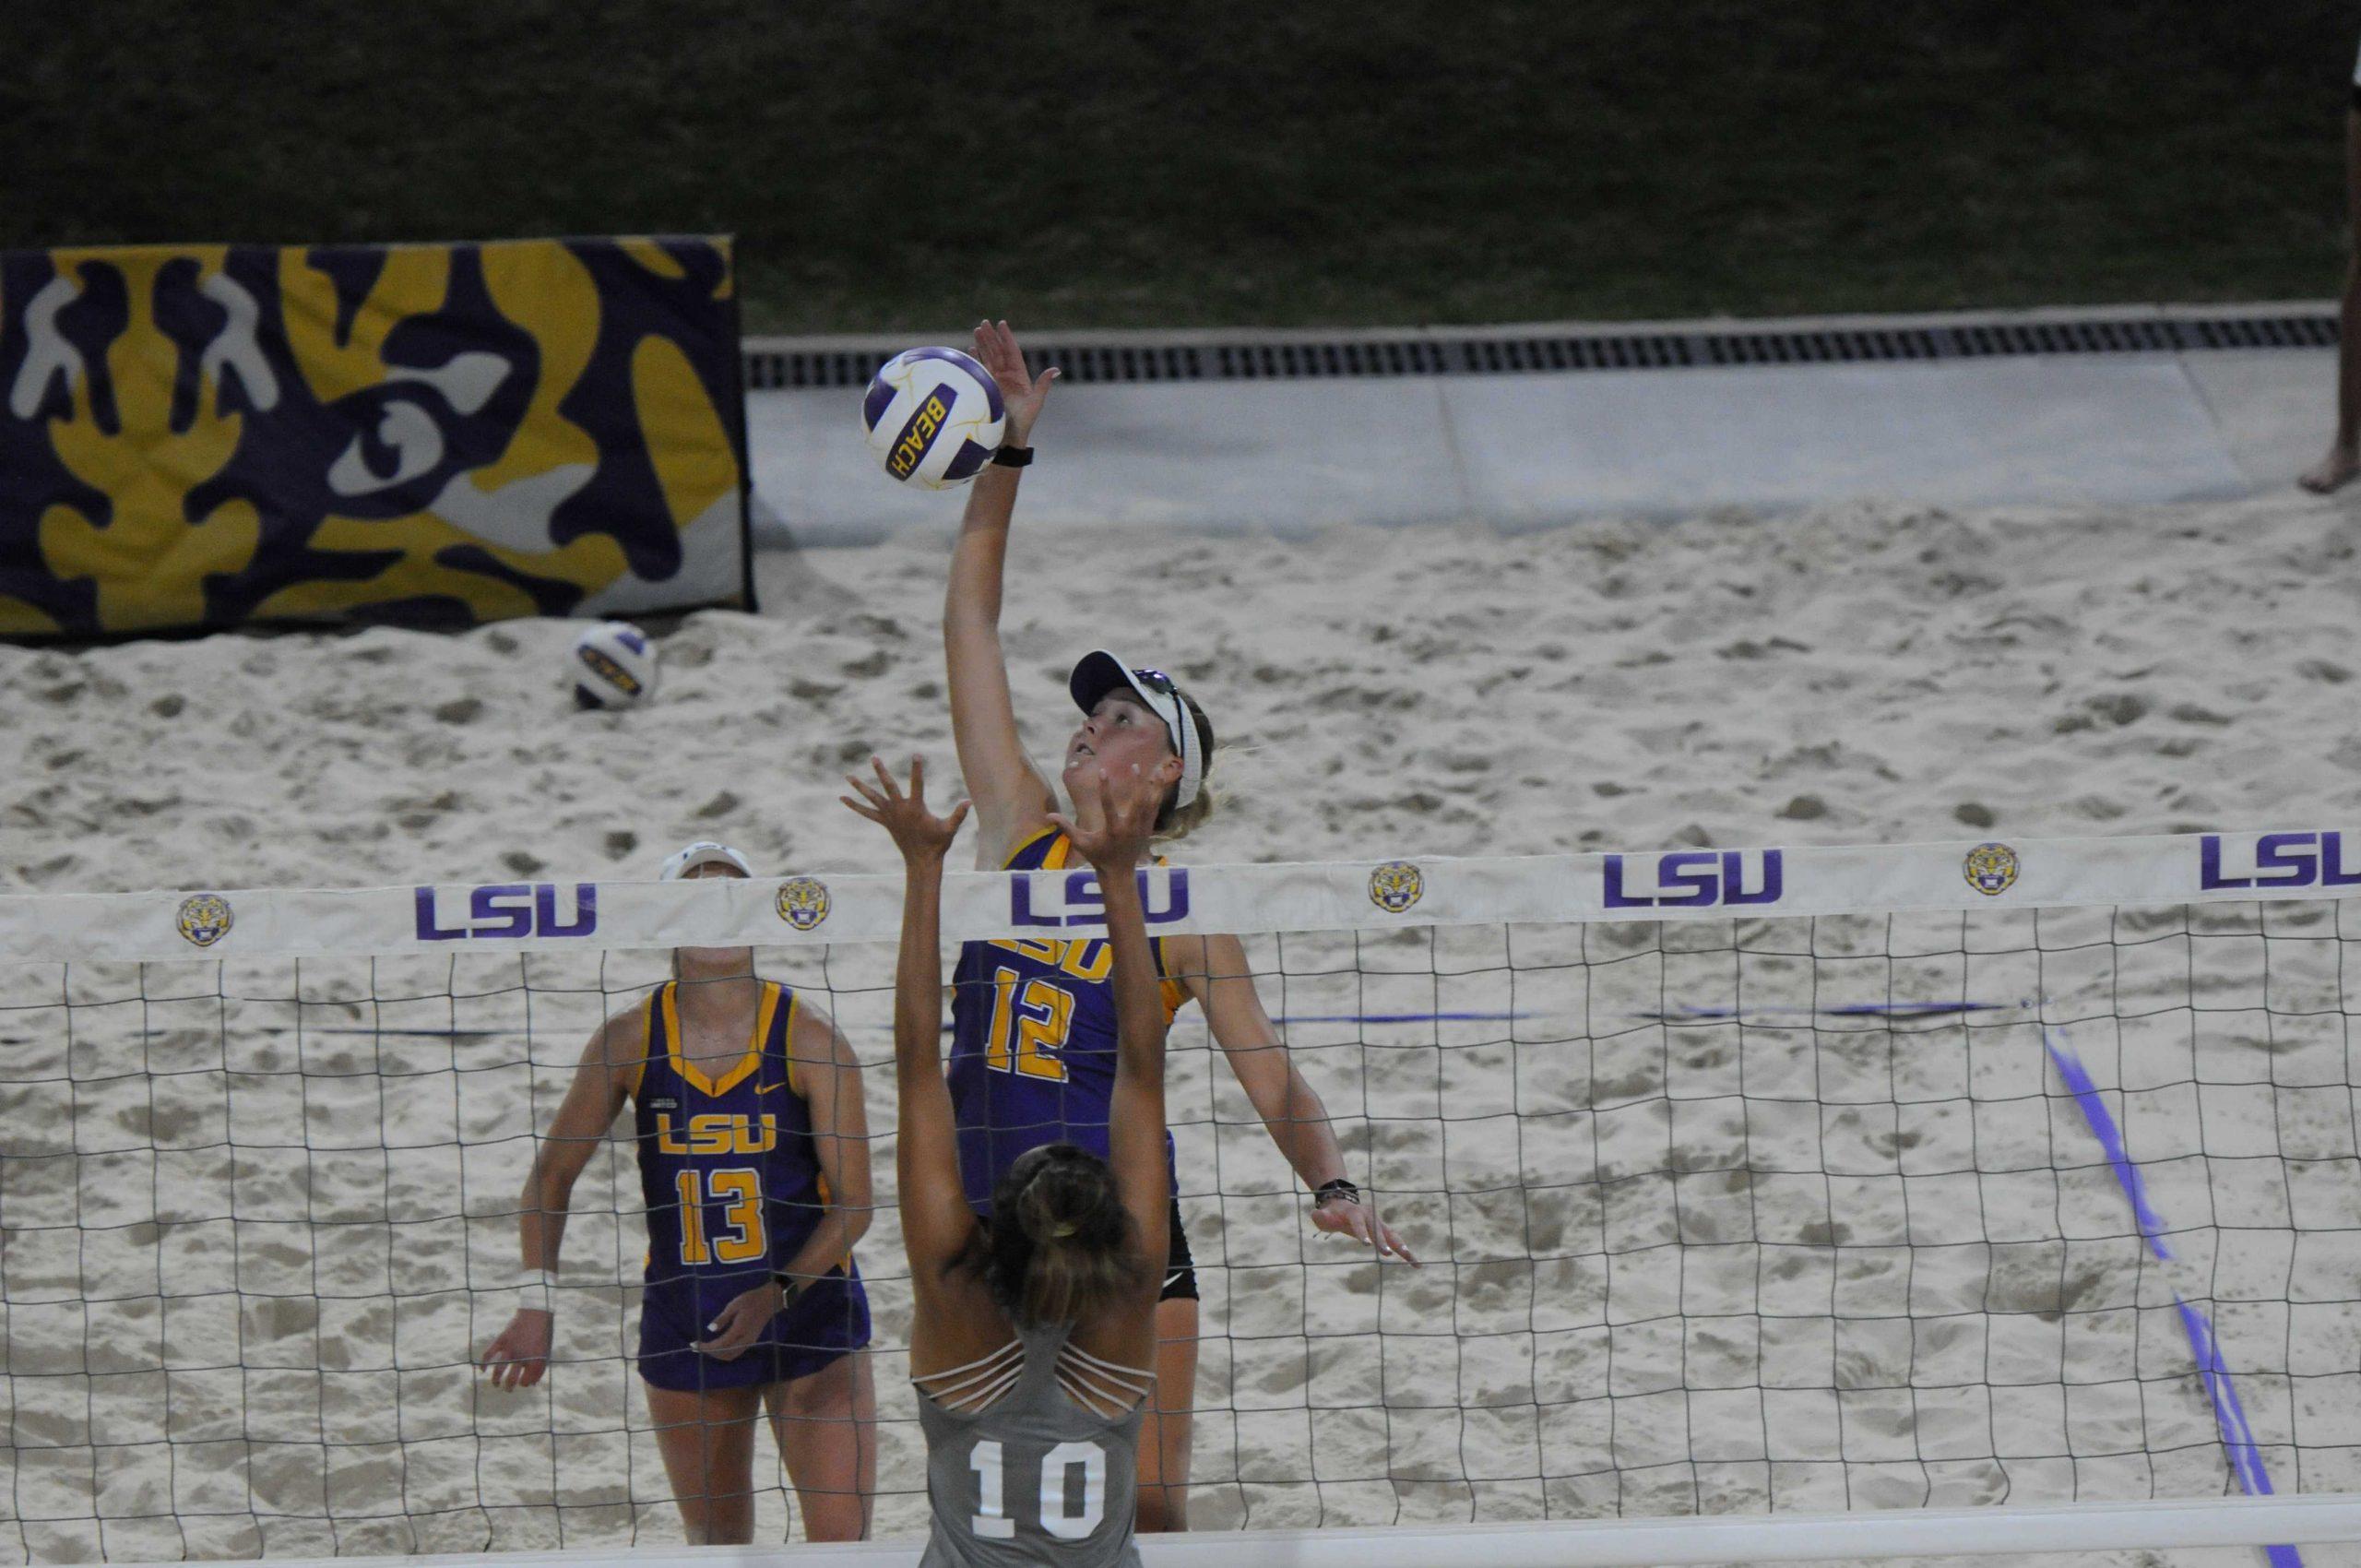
[[1536, 450]]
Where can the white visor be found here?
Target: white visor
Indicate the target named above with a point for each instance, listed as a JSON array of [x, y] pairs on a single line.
[[703, 852], [1101, 672]]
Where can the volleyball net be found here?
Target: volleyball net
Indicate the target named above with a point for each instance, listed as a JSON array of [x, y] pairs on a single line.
[[1756, 1185]]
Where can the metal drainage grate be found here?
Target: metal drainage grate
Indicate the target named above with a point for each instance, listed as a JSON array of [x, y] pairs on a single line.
[[785, 366]]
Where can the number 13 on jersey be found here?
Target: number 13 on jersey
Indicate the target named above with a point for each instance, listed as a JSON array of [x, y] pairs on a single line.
[[993, 1522], [742, 1192]]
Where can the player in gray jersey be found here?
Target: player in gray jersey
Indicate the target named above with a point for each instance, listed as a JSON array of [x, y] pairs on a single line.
[[1030, 1336]]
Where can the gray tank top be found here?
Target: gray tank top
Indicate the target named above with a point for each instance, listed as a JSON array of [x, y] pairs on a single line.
[[1034, 1477]]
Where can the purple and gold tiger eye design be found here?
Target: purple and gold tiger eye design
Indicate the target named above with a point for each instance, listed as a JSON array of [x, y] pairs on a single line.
[[195, 435]]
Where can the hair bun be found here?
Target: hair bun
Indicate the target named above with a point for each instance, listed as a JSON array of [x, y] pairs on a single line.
[[1066, 1257]]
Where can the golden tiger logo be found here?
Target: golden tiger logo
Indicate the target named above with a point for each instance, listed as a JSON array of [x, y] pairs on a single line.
[[1991, 869], [206, 919], [204, 434], [1395, 886], [802, 902]]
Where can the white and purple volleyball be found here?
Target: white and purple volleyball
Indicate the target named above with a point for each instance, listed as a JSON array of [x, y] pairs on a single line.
[[934, 417], [612, 665]]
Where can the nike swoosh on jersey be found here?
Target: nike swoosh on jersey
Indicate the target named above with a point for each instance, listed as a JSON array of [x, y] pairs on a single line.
[[765, 1088]]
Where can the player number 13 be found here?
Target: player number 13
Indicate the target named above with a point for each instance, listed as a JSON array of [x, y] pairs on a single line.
[[741, 1191], [991, 1521]]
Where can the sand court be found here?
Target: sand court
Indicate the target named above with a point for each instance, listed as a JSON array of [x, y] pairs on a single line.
[[1857, 673]]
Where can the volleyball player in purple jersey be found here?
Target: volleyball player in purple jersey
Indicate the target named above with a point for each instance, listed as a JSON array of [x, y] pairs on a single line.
[[1033, 1041], [753, 1159]]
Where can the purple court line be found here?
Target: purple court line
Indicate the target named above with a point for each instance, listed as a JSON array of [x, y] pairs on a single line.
[[1386, 1019], [1284, 1018], [2229, 1415], [1843, 1010], [1398, 1018], [2101, 1122]]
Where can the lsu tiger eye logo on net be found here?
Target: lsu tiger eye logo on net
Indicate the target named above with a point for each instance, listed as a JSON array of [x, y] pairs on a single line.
[[205, 918], [803, 902], [1395, 886], [1991, 869]]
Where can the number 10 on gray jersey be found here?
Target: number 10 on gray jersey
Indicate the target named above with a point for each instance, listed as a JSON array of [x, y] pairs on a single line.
[[992, 1520]]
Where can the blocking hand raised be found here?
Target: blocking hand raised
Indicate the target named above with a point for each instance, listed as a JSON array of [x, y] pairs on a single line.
[[1114, 813], [917, 832]]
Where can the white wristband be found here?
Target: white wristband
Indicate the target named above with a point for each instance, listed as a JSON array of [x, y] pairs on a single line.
[[536, 1291]]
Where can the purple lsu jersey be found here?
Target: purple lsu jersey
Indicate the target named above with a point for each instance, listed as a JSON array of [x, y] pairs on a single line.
[[733, 1189], [1033, 1041]]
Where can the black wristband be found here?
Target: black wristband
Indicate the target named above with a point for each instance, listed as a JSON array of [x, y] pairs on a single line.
[[1339, 1188], [1012, 457], [791, 1286]]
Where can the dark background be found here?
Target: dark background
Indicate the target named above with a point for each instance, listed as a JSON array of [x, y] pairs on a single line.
[[1215, 162]]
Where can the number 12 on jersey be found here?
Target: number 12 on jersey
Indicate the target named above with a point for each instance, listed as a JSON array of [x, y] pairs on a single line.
[[1040, 1016], [991, 1521]]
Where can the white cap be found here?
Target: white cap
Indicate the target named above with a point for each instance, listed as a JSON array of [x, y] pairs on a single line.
[[1101, 672], [703, 852]]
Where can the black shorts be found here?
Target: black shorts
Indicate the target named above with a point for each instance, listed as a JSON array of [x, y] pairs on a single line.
[[1179, 1268]]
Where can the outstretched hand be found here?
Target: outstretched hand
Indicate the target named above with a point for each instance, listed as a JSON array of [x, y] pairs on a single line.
[[917, 832], [1022, 392], [1114, 813], [1341, 1216]]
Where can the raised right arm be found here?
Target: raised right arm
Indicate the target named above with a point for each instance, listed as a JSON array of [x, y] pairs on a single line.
[[936, 1221], [1011, 797], [1113, 816], [937, 1224]]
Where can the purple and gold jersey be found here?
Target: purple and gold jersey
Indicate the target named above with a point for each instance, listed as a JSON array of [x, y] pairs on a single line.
[[734, 1189], [1033, 1041]]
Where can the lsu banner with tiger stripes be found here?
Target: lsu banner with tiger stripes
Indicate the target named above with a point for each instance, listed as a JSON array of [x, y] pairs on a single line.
[[425, 434]]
